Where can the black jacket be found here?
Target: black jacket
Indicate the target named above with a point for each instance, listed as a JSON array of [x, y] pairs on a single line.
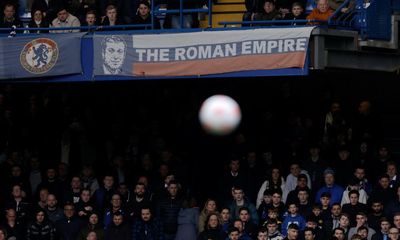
[[44, 231], [121, 232]]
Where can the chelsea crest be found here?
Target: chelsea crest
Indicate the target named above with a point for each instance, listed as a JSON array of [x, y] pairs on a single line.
[[39, 55]]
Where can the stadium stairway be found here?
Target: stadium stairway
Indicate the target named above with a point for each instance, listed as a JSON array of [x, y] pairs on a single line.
[[224, 10]]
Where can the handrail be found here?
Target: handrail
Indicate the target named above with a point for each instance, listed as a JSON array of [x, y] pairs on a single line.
[[181, 11], [270, 22]]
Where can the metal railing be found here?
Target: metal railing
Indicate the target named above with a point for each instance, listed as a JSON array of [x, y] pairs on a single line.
[[274, 23]]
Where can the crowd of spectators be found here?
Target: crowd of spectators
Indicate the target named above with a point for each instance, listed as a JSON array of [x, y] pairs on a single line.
[[72, 13], [77, 168]]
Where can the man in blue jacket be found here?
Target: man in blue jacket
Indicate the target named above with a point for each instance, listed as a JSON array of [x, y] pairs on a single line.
[[335, 190]]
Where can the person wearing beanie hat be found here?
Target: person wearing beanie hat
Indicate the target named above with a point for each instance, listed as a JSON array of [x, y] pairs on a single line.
[[335, 190]]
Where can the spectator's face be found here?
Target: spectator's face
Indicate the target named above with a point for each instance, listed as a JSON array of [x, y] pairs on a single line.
[[143, 10], [173, 189], [275, 174], [211, 206], [344, 222], [238, 195], [116, 201], [292, 234], [75, 183], [336, 210], [302, 196], [91, 236], [272, 228], [363, 233], [308, 235], [394, 234], [123, 189], [144, 181], [244, 216], [9, 12], [316, 211], [302, 182], [16, 192], [62, 15], [51, 201], [384, 182], [314, 152], [90, 19], [323, 6], [85, 196], [2, 235], [339, 234], [238, 225], [295, 170], [117, 220], [11, 215], [51, 173], [359, 173], [40, 217], [391, 170], [146, 215], [325, 201], [269, 7], [311, 224], [272, 214], [16, 171], [276, 198], [213, 222], [69, 211], [396, 221], [225, 215], [93, 219], [108, 181], [297, 11], [38, 16], [140, 190], [112, 14], [44, 193], [235, 165], [234, 235], [262, 236], [385, 225], [344, 155], [267, 199], [353, 199], [383, 152], [292, 209], [329, 179], [377, 207], [164, 170], [360, 220]]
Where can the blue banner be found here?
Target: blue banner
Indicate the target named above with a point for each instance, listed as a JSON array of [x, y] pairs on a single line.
[[40, 55]]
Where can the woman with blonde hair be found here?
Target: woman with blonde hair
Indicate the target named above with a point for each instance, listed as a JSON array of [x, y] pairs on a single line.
[[209, 207]]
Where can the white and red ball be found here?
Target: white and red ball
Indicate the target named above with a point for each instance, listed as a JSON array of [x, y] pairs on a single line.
[[220, 115]]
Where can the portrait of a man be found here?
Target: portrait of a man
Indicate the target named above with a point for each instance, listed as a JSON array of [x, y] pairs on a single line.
[[113, 51]]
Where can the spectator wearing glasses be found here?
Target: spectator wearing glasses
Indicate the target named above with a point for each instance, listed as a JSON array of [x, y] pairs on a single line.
[[69, 226]]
